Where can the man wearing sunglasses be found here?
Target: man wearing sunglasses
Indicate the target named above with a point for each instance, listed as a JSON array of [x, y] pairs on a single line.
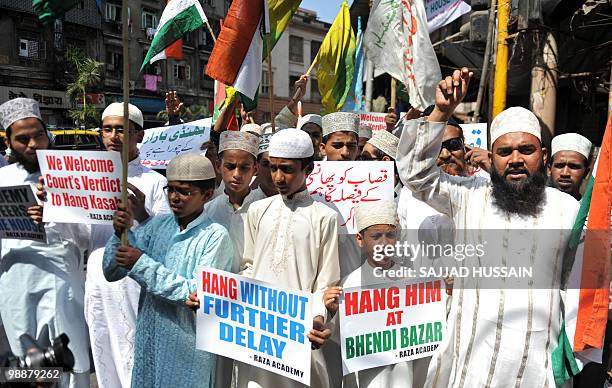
[[111, 308]]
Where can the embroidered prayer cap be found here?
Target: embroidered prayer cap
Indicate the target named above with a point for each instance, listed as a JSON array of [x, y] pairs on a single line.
[[18, 109], [116, 109], [291, 143], [365, 131], [190, 167], [310, 119], [252, 128], [571, 142], [515, 119], [375, 213], [340, 121], [386, 142], [234, 140], [264, 143], [266, 128]]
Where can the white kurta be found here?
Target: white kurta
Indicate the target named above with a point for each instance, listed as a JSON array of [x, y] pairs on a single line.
[[496, 337], [221, 211], [111, 307], [292, 243], [42, 284]]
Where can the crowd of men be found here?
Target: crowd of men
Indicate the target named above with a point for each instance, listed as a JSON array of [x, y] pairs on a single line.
[[244, 207]]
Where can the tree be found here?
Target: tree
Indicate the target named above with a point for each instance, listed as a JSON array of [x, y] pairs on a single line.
[[87, 73]]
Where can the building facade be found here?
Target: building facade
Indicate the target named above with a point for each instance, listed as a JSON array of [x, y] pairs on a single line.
[[32, 62], [291, 57]]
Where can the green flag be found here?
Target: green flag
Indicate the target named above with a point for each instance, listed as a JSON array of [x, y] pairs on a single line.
[[49, 10]]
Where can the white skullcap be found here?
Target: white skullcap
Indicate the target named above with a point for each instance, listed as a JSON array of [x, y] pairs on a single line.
[[309, 119], [234, 140], [116, 109], [365, 131], [264, 143], [571, 142], [18, 109], [385, 141], [375, 213], [290, 143], [515, 119], [340, 121], [190, 167], [252, 128], [266, 128]]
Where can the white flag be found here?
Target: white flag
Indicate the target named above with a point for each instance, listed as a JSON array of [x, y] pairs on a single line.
[[397, 41]]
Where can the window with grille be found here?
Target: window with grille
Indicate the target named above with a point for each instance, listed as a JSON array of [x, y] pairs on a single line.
[[182, 72], [29, 48], [113, 12], [314, 49], [315, 96], [296, 49], [265, 82], [149, 20]]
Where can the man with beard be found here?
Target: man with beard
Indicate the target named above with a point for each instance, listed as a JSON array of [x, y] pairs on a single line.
[[498, 336], [41, 283], [569, 164]]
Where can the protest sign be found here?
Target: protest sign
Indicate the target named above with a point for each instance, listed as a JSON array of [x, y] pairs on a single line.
[[160, 145], [342, 185], [375, 120], [414, 316], [14, 220], [475, 135], [443, 12], [255, 323], [82, 186]]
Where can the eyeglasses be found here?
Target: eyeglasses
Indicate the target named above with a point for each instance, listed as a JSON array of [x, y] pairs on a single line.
[[119, 130], [454, 144], [181, 192]]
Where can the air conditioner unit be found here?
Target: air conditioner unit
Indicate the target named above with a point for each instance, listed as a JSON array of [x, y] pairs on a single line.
[[24, 46]]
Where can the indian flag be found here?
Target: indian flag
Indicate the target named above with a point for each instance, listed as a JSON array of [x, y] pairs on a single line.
[[179, 17], [588, 286], [237, 57], [335, 62]]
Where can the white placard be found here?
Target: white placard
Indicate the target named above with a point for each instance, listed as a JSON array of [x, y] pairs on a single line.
[[375, 120], [160, 145], [254, 322], [398, 322], [342, 185], [82, 186], [475, 135]]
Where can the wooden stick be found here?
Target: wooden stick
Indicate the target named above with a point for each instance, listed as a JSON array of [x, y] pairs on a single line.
[[211, 32], [312, 65], [393, 92], [271, 81], [125, 150]]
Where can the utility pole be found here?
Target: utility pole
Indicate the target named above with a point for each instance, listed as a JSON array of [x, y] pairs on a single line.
[[501, 58], [543, 99]]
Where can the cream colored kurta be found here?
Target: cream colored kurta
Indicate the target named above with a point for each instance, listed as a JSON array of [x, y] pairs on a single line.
[[497, 337], [221, 211], [111, 307], [291, 243]]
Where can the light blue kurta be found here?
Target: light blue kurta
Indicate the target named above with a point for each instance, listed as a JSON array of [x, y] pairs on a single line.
[[165, 354]]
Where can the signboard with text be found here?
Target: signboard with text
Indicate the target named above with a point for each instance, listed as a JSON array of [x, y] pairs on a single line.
[[391, 324], [342, 185], [52, 99], [14, 219], [82, 186], [160, 145], [375, 120], [254, 322]]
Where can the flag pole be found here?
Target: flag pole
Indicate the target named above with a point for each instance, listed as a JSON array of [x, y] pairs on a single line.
[[211, 32], [126, 115], [312, 65], [271, 81], [393, 92]]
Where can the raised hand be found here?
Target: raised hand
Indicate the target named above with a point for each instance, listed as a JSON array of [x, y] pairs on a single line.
[[173, 104], [449, 93]]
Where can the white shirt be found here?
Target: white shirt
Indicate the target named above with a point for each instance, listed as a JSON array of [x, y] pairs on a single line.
[[42, 284], [222, 211], [499, 337]]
